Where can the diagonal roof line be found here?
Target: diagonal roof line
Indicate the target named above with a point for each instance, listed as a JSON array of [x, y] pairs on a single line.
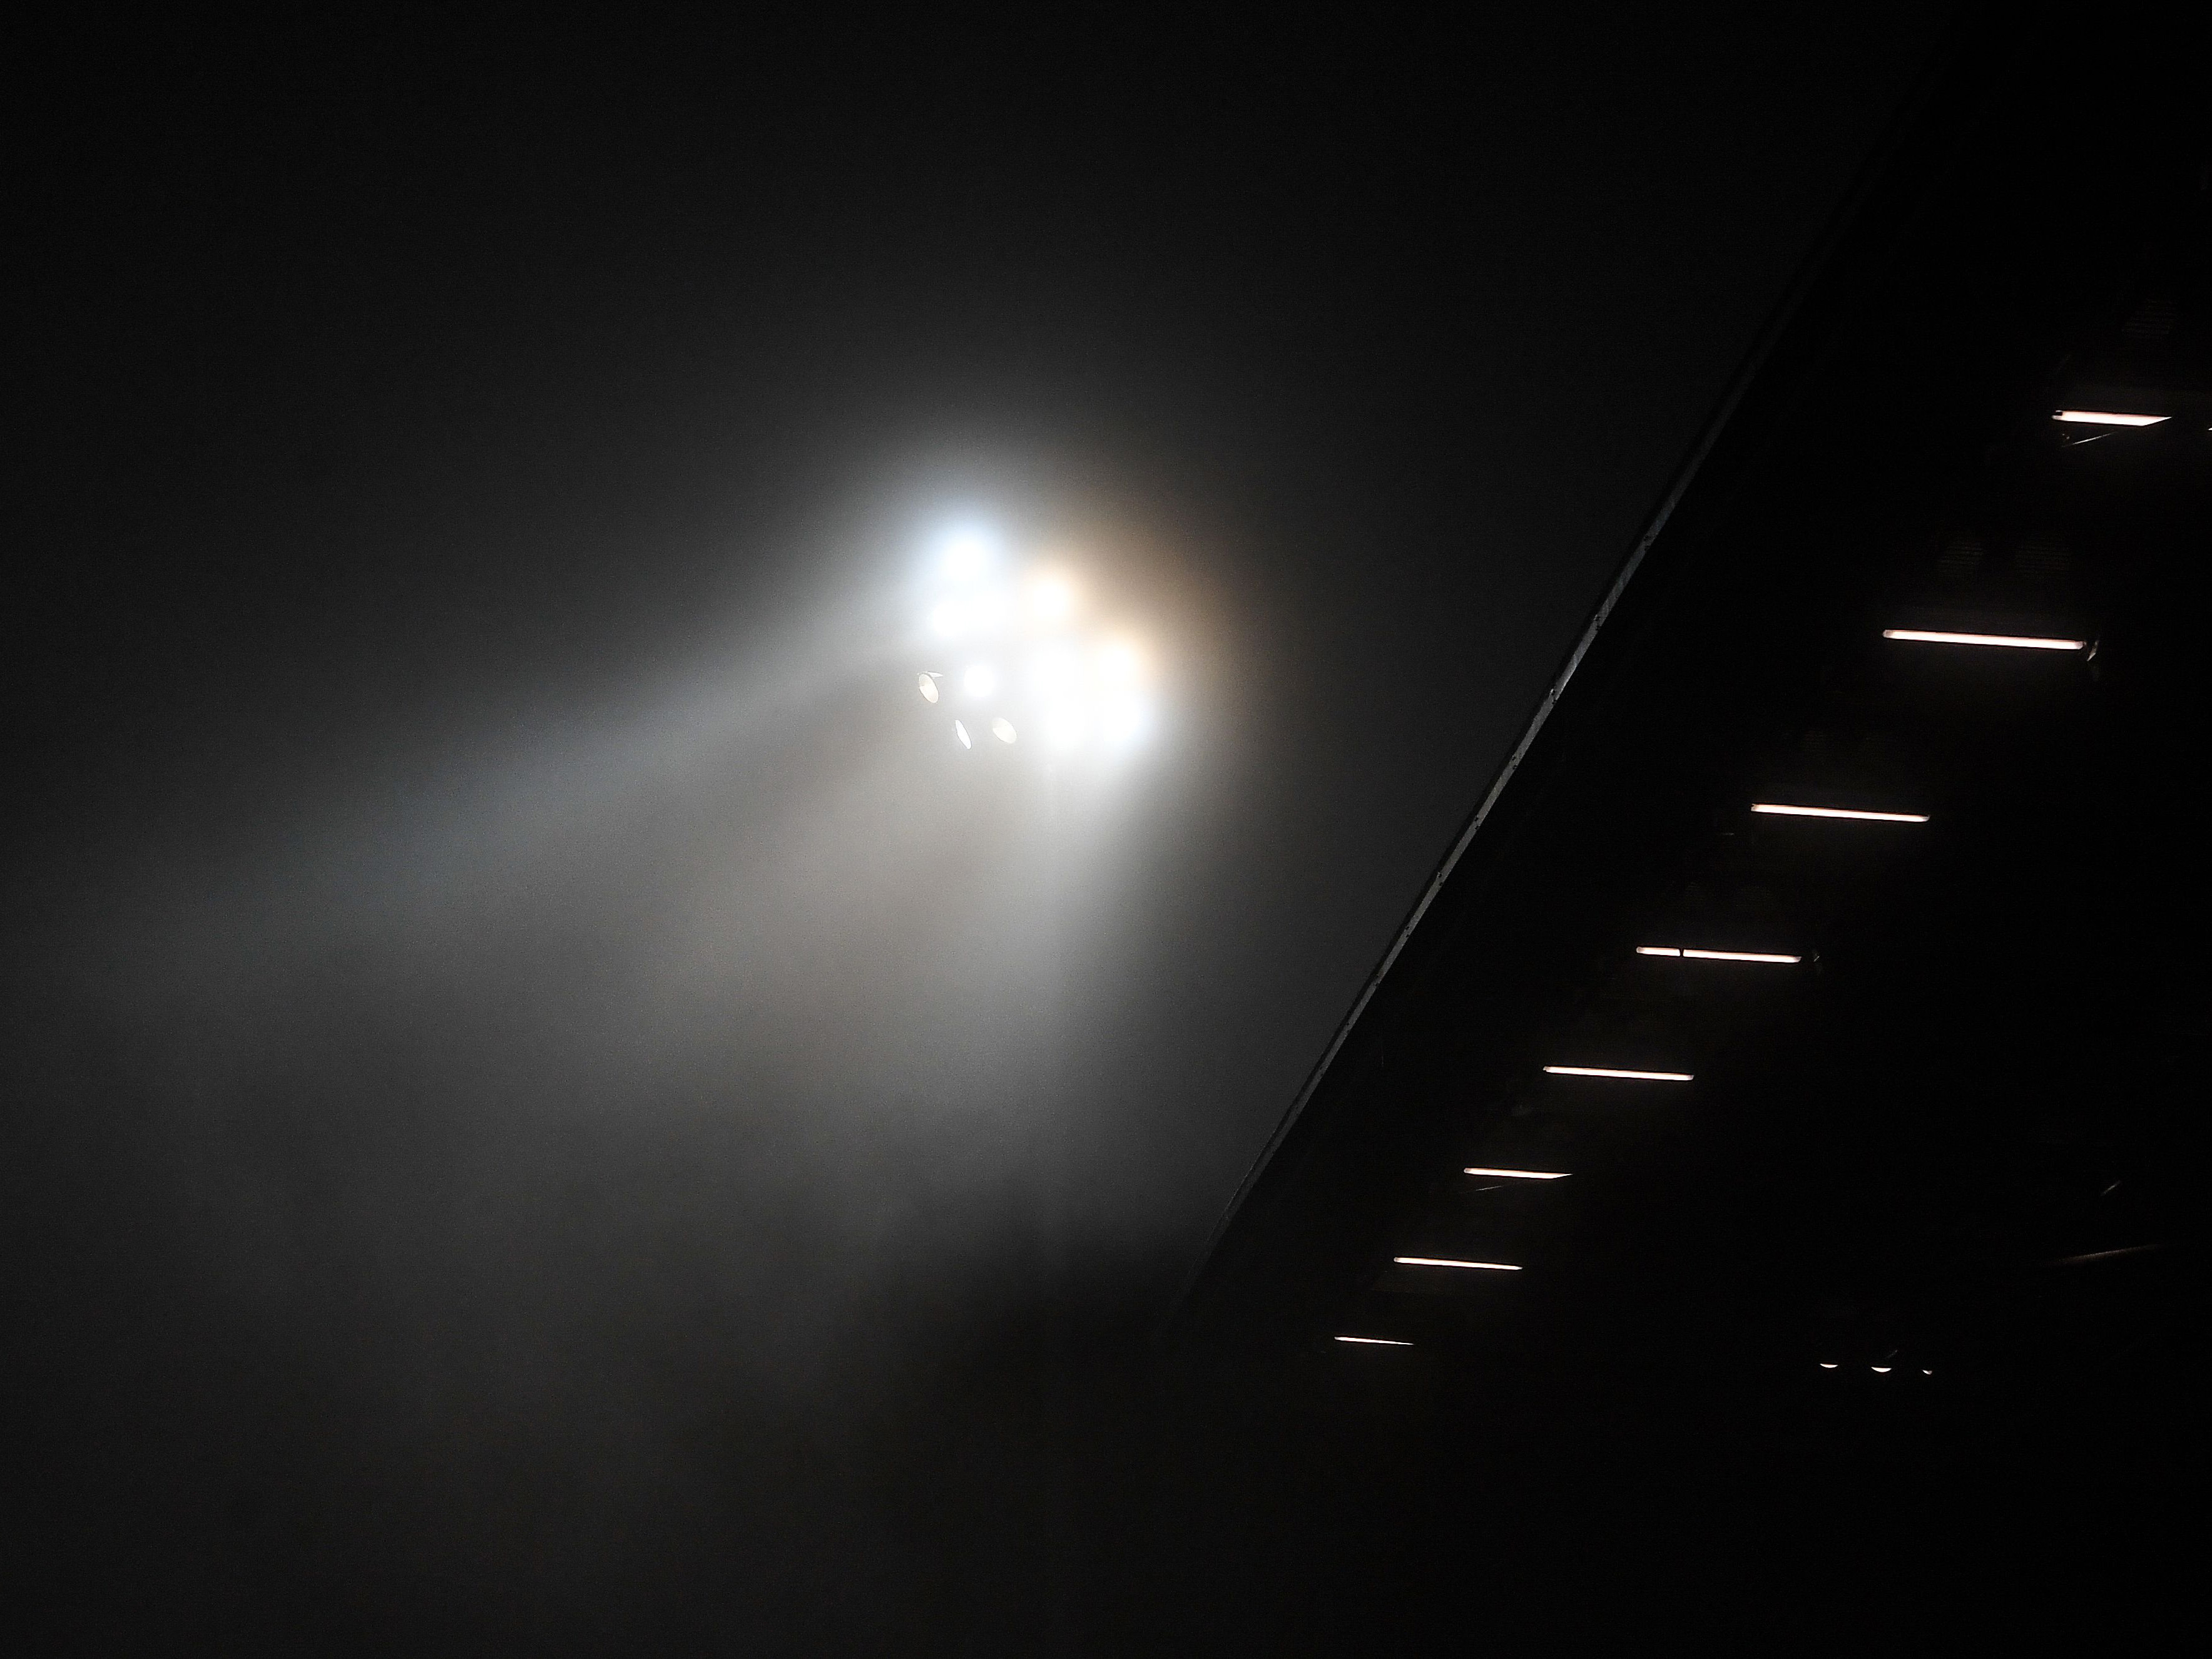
[[1904, 124]]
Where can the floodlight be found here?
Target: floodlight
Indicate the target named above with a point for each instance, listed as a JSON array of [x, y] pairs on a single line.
[[1520, 1174], [1608, 1071], [1445, 1261], [1838, 812], [2105, 417], [2017, 641], [980, 680], [961, 733], [928, 687], [1003, 729]]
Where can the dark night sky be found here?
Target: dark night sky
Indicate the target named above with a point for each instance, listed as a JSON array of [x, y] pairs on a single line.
[[525, 1059]]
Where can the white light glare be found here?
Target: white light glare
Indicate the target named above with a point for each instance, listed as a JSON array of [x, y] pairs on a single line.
[[1003, 729], [1838, 812], [2017, 641], [1714, 956], [965, 554], [1442, 1261], [1051, 599], [929, 688], [979, 681], [961, 733], [1607, 1071], [2105, 417], [1827, 1364], [1878, 1370], [1520, 1175], [1376, 1341]]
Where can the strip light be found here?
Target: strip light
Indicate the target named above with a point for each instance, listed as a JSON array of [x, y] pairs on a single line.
[[1838, 812], [2105, 417], [1714, 956], [1376, 1341], [1446, 1261], [1520, 1175], [2017, 641], [1608, 1071]]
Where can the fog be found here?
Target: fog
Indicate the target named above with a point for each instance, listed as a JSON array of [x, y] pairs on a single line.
[[547, 1097]]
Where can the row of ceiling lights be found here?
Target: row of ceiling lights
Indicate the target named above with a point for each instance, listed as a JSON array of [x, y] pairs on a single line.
[[1908, 635]]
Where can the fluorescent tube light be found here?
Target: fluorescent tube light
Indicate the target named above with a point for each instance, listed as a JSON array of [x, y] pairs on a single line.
[[1608, 1071], [2105, 417], [1520, 1175], [1445, 1261], [2017, 641], [1376, 1341], [1838, 812], [1695, 955]]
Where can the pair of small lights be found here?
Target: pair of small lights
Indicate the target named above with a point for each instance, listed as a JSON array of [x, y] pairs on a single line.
[[1686, 952], [1001, 728]]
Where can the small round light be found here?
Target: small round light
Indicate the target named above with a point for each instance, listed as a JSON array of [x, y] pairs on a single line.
[[979, 681], [961, 733], [929, 688], [1003, 729]]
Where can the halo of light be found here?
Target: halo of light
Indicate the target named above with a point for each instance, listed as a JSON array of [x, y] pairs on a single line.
[[1051, 598], [964, 553], [1002, 729], [979, 679]]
